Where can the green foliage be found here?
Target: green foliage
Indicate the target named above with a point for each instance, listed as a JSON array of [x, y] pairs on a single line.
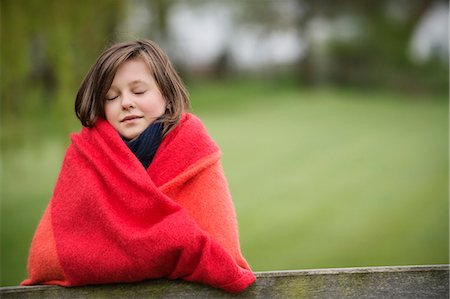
[[47, 47], [379, 56]]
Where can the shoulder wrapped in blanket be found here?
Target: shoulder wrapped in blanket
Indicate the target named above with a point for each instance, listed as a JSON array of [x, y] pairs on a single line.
[[110, 220]]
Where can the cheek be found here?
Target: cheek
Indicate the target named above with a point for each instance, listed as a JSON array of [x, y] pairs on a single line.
[[156, 105], [109, 111], [162, 106]]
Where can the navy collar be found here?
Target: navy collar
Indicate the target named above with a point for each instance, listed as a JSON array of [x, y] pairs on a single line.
[[145, 145]]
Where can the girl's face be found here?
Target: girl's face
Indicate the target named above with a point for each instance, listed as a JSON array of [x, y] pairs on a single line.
[[133, 101]]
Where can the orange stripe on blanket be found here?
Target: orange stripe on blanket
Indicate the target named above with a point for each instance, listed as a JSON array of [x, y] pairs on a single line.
[[183, 147], [43, 262], [191, 171], [203, 191]]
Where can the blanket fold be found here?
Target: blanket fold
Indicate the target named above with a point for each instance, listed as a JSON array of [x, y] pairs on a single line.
[[111, 220]]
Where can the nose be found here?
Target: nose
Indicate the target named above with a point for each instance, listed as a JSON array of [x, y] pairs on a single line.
[[127, 102]]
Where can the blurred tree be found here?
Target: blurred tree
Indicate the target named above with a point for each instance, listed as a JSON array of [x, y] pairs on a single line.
[[47, 46], [377, 55], [373, 52], [161, 10]]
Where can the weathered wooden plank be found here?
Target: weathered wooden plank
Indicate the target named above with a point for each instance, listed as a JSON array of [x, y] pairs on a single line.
[[371, 282]]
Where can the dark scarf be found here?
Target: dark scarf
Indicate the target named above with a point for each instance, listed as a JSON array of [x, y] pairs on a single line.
[[145, 145]]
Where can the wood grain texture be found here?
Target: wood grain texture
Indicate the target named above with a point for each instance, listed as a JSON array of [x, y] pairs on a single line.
[[430, 281]]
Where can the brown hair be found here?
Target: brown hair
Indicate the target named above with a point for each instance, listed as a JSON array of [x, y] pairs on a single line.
[[89, 103]]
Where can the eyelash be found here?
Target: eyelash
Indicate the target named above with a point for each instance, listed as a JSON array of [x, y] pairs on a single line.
[[136, 93]]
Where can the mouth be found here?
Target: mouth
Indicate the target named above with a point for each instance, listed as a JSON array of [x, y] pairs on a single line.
[[130, 118]]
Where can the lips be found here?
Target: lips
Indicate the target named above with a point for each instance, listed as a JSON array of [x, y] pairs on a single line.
[[130, 117]]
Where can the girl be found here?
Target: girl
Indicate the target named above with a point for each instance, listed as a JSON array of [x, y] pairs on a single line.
[[141, 193]]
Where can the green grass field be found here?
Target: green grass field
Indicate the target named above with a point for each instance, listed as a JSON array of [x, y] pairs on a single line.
[[320, 178]]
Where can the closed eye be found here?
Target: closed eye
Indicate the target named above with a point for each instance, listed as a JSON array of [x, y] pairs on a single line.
[[140, 92], [111, 98]]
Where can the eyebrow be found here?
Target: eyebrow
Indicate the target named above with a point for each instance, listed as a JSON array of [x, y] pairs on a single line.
[[134, 82], [137, 82]]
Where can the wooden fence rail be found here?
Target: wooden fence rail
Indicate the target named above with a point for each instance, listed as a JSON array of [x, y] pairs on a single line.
[[431, 281]]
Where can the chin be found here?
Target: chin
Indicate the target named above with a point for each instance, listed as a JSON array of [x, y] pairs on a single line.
[[131, 132], [129, 136]]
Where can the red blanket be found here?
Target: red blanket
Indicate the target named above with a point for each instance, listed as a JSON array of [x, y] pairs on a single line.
[[110, 220]]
